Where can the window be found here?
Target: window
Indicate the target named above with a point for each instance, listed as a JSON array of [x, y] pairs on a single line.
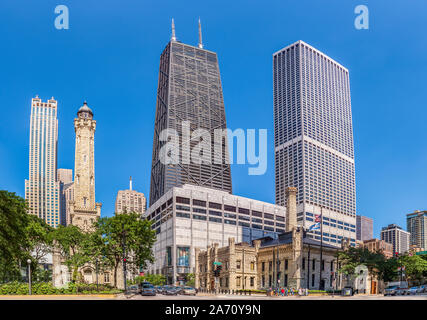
[[332, 265], [252, 266], [243, 210], [263, 266], [252, 281], [312, 280], [314, 265], [286, 264], [215, 205], [199, 203], [303, 264], [238, 263], [107, 277], [238, 281], [270, 265], [182, 200], [323, 265], [229, 208]]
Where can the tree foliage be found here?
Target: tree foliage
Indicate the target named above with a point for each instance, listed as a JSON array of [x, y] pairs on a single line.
[[124, 236]]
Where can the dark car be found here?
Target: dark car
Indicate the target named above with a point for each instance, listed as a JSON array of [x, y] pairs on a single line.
[[148, 289], [170, 291]]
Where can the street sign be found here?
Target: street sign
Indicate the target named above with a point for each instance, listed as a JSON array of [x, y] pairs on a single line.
[[217, 263]]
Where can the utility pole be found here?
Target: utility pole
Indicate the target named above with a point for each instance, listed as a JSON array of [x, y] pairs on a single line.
[[308, 268], [321, 286]]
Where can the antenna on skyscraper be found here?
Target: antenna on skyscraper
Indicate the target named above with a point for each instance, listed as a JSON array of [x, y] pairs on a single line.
[[173, 31], [200, 35]]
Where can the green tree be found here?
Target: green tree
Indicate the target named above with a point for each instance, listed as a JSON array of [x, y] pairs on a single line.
[[128, 231], [13, 239], [190, 280], [154, 279], [70, 240], [415, 267]]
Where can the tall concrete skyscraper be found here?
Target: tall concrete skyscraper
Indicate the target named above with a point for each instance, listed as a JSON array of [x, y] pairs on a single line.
[[417, 226], [83, 209], [313, 138], [42, 187], [364, 228], [398, 237], [189, 93]]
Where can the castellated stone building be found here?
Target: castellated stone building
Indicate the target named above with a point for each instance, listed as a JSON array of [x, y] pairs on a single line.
[[292, 260], [83, 209]]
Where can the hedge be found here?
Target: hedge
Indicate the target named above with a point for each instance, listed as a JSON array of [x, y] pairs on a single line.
[[44, 288]]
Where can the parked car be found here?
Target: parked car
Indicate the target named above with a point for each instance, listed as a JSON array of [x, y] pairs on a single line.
[[159, 289], [391, 291], [134, 288], [402, 291], [189, 291], [148, 289], [170, 291], [414, 290], [423, 288]]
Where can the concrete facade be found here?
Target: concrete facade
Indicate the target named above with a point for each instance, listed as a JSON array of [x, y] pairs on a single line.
[[398, 237], [416, 223], [190, 217], [364, 228], [42, 194], [130, 201]]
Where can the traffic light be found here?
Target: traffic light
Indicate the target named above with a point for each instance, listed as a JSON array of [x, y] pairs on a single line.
[[218, 269]]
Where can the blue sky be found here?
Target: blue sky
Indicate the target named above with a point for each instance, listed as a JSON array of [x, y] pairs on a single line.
[[110, 57]]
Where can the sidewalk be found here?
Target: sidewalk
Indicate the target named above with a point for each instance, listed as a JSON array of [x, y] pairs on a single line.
[[60, 297]]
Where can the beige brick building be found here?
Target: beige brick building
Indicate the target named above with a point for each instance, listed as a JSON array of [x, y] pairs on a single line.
[[130, 201], [239, 267], [291, 260]]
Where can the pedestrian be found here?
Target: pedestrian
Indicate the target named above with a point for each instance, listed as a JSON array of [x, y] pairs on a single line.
[[286, 291], [282, 292]]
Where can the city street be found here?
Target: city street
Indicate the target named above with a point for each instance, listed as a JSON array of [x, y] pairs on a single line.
[[206, 297], [260, 297]]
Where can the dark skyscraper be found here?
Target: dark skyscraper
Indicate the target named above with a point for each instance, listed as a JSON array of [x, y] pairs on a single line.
[[189, 91]]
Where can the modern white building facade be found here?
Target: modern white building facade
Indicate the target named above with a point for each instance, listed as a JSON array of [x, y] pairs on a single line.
[[190, 217], [42, 187], [398, 237], [314, 139]]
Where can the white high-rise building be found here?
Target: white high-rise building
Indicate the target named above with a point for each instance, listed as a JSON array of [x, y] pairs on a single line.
[[42, 187], [398, 237], [313, 136]]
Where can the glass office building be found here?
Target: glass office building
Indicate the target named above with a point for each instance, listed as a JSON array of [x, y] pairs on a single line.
[[313, 137]]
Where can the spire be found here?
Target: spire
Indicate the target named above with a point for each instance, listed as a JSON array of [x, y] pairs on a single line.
[[130, 183], [200, 35], [173, 31]]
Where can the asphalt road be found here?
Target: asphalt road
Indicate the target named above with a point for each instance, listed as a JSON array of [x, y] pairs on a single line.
[[243, 297]]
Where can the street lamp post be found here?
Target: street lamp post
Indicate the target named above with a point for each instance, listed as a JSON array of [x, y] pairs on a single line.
[[29, 275]]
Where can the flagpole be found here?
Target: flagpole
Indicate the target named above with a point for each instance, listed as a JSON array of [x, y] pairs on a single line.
[[321, 248]]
